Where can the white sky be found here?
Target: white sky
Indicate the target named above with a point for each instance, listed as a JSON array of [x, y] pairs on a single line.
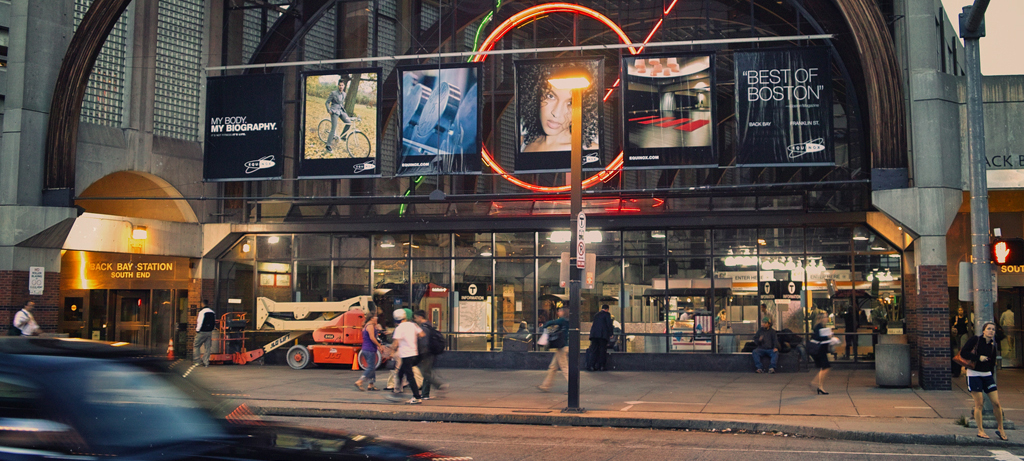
[[1004, 34]]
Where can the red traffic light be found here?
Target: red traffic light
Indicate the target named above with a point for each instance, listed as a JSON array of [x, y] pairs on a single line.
[[1008, 252]]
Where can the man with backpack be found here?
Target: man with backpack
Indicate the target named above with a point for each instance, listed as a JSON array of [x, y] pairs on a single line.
[[206, 321], [430, 345], [24, 323], [558, 332]]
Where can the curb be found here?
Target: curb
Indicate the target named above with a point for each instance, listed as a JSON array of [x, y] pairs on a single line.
[[643, 423]]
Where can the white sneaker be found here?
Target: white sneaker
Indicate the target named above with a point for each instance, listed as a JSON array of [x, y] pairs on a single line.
[[414, 401]]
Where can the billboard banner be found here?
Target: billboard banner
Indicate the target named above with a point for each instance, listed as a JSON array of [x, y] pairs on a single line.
[[669, 111], [544, 115], [340, 117], [440, 116], [784, 107], [244, 118]]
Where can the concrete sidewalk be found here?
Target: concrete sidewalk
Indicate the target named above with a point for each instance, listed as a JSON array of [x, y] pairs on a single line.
[[856, 408]]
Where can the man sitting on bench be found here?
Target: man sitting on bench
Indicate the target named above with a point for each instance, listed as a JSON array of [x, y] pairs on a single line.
[[766, 342]]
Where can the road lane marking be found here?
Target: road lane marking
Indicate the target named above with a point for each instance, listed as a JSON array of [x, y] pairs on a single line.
[[1003, 455]]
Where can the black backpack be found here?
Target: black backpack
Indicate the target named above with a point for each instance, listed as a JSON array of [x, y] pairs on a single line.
[[436, 343]]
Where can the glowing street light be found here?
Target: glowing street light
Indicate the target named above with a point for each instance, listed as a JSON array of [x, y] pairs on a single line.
[[576, 80]]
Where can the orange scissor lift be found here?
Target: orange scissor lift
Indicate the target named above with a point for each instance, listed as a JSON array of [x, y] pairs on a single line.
[[336, 327]]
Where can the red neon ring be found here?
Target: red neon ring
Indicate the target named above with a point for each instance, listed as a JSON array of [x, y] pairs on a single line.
[[515, 21]]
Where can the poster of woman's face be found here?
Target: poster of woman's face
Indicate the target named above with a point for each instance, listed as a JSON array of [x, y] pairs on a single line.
[[544, 115], [668, 107]]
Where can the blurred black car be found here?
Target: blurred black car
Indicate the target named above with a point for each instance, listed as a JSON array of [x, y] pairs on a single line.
[[69, 399]]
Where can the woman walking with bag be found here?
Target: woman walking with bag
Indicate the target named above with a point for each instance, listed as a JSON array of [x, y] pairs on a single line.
[[369, 353], [980, 351], [817, 347]]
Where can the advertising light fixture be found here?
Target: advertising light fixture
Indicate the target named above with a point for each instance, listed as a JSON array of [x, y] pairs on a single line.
[[139, 233]]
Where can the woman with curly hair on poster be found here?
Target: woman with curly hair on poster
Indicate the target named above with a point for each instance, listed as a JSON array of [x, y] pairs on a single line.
[[545, 115]]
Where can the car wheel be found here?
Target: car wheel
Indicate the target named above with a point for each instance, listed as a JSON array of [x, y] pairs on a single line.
[[298, 357]]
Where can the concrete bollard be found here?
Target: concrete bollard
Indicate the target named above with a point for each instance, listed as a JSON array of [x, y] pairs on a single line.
[[892, 365]]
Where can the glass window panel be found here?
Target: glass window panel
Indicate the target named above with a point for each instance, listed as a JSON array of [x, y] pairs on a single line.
[[313, 281], [743, 306], [863, 239], [431, 245], [733, 203], [431, 289], [236, 282], [736, 242], [828, 239], [781, 240], [515, 296], [243, 250], [689, 242], [551, 296], [351, 278], [469, 244], [514, 244], [351, 246], [644, 242], [390, 272], [274, 281], [643, 312], [277, 247], [312, 246], [391, 245]]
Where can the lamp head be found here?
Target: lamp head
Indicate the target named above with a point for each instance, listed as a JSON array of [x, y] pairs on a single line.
[[570, 78]]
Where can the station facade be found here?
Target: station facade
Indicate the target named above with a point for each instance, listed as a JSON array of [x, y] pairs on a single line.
[[106, 190]]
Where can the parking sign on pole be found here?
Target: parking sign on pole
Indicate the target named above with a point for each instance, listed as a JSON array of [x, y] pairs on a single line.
[[581, 246]]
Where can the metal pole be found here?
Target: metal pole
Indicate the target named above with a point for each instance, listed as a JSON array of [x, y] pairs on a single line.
[[982, 273], [576, 205]]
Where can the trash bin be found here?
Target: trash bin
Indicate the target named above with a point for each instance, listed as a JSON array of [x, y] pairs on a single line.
[[892, 364]]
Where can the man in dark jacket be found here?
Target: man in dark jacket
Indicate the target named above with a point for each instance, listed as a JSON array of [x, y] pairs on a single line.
[[600, 333], [766, 342]]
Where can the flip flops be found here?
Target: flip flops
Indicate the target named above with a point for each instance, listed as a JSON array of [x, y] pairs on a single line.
[[984, 436], [1001, 435]]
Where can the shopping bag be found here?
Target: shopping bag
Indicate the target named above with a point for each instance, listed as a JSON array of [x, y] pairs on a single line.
[[543, 340]]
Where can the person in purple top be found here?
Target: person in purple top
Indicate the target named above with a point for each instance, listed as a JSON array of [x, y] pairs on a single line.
[[369, 353]]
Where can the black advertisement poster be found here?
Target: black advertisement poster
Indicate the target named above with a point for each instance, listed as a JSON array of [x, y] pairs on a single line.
[[784, 107], [544, 115], [244, 115], [340, 124], [440, 120], [669, 108]]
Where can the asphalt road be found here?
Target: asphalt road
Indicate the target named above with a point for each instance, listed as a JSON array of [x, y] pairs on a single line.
[[520, 442]]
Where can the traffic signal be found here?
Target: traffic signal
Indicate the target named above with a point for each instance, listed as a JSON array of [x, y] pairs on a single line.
[[1008, 252]]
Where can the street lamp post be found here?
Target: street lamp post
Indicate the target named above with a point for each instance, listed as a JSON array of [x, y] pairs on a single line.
[[576, 81]]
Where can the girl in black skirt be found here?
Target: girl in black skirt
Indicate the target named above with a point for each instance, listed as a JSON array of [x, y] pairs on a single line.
[[822, 336], [983, 350]]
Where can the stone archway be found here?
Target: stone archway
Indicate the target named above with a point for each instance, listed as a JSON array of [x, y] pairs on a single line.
[[130, 186]]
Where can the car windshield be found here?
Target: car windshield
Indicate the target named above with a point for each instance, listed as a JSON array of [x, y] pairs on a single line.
[[125, 407]]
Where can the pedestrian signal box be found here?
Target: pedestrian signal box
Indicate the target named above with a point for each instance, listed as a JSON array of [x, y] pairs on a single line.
[[1008, 252]]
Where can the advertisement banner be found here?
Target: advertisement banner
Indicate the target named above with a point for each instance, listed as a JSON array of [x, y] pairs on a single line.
[[784, 107], [544, 115], [440, 120], [669, 111], [340, 116], [244, 118]]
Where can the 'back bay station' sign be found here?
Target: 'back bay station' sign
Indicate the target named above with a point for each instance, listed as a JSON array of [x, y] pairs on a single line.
[[81, 270]]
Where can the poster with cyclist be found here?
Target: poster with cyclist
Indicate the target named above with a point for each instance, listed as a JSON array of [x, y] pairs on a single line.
[[340, 116]]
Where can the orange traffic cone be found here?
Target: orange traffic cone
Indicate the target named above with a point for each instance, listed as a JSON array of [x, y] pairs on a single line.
[[355, 361], [170, 349]]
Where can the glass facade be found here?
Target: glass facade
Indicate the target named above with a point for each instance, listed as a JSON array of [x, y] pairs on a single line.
[[670, 290], [179, 51], [105, 92]]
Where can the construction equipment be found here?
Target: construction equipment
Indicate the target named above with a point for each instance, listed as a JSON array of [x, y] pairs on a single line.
[[231, 339], [336, 326]]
